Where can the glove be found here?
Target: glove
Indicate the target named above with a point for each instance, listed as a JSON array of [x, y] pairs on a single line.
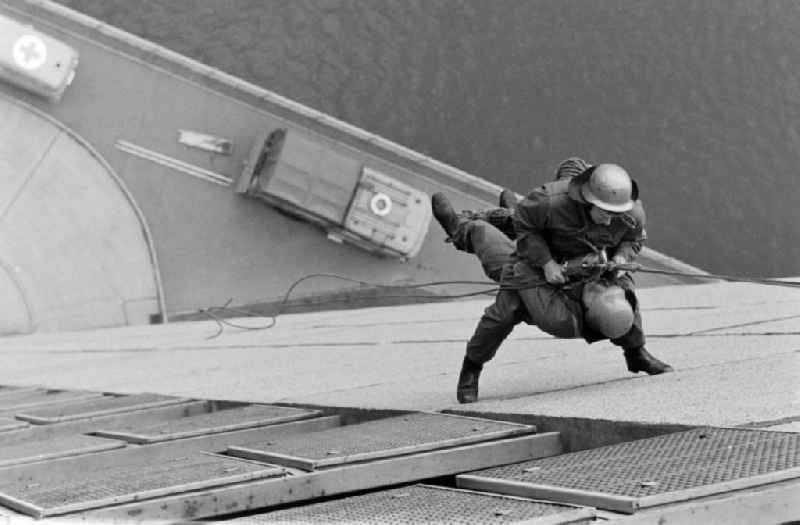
[[619, 259], [553, 272]]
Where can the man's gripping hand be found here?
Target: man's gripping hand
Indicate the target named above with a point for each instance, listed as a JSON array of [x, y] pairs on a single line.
[[619, 259], [554, 272]]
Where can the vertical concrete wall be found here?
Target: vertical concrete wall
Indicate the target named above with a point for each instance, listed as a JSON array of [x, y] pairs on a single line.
[[131, 98], [74, 252]]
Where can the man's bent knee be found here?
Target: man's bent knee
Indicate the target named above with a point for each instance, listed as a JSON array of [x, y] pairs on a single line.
[[553, 312], [564, 327]]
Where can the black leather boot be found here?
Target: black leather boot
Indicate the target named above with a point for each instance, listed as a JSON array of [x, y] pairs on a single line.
[[448, 219], [467, 391], [640, 360], [508, 200], [444, 213]]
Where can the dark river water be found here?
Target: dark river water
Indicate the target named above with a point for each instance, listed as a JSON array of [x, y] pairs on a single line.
[[700, 101]]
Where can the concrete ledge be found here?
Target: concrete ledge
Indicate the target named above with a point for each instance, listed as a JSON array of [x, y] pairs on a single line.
[[349, 415], [581, 433], [576, 433]]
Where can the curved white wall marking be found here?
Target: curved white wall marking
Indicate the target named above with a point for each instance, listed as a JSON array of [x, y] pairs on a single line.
[[17, 315], [76, 250]]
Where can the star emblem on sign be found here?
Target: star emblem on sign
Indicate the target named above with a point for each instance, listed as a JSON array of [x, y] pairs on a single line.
[[29, 52]]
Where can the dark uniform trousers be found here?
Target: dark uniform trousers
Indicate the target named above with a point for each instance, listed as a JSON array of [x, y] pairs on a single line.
[[555, 310]]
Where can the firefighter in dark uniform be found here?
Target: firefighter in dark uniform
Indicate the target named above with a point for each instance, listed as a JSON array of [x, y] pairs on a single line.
[[589, 214]]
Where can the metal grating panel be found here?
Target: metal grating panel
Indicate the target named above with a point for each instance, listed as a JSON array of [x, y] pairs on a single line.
[[26, 450], [40, 398], [100, 406], [652, 471], [377, 439], [209, 423], [302, 487], [130, 483], [427, 504]]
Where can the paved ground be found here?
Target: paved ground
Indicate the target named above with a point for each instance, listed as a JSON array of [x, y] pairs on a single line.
[[735, 347]]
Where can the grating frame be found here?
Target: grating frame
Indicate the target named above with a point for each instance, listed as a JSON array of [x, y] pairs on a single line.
[[417, 504], [99, 406], [29, 450], [379, 438], [656, 470], [123, 484], [208, 423]]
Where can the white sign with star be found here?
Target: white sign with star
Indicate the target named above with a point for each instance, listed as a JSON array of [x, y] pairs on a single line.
[[30, 52]]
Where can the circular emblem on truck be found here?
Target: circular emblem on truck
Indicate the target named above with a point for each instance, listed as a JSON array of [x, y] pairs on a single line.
[[29, 52], [380, 204]]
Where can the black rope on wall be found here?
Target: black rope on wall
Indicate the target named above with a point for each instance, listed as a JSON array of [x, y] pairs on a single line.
[[213, 311]]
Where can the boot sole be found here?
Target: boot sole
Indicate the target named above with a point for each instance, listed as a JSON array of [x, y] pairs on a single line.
[[637, 370], [466, 397]]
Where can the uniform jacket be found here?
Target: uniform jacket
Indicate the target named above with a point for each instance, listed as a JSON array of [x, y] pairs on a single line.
[[553, 222]]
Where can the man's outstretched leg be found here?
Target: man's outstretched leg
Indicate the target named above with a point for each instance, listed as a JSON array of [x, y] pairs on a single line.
[[493, 248], [450, 220], [498, 320], [476, 233]]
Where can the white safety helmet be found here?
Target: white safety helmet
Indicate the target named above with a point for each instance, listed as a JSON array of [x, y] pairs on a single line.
[[610, 188], [607, 309]]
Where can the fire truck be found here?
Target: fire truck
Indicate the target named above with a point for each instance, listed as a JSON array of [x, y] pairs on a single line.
[[353, 202]]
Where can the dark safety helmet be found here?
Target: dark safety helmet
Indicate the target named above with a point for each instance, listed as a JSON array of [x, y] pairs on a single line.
[[607, 309], [610, 188]]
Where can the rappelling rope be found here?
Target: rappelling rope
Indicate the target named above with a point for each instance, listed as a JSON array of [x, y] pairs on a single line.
[[635, 267], [221, 322], [213, 312]]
